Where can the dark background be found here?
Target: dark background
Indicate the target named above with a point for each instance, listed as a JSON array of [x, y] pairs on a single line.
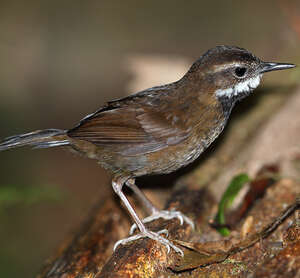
[[61, 60]]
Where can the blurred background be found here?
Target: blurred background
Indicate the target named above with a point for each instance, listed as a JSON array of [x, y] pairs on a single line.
[[61, 60]]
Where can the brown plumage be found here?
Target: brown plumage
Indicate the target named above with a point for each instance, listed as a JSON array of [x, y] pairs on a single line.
[[161, 129], [129, 133]]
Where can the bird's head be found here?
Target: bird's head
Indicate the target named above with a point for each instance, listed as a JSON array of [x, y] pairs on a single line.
[[231, 72]]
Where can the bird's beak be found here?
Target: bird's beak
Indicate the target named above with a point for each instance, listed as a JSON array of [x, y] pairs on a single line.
[[266, 66]]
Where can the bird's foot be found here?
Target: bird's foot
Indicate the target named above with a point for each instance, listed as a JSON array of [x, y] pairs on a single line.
[[167, 215], [153, 235]]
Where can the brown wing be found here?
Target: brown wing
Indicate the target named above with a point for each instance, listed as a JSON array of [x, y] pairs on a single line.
[[134, 126]]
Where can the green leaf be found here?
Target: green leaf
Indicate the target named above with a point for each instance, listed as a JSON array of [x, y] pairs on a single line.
[[227, 199]]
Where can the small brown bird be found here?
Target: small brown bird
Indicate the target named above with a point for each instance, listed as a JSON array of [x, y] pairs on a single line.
[[161, 129]]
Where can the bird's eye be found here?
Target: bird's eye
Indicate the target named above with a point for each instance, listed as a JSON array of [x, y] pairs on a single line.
[[240, 72]]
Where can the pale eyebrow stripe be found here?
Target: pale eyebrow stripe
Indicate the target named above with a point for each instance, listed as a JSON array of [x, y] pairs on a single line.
[[224, 66]]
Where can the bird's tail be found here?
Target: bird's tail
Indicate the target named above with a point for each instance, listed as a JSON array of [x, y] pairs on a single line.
[[37, 139]]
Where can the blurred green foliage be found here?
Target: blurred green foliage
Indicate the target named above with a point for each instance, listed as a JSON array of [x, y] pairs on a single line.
[[15, 194], [21, 198]]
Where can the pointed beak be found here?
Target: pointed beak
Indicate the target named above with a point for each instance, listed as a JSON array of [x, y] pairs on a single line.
[[275, 66]]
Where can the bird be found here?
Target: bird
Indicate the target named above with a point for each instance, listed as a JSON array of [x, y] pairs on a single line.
[[160, 129]]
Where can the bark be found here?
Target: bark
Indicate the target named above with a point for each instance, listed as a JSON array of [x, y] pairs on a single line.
[[90, 254]]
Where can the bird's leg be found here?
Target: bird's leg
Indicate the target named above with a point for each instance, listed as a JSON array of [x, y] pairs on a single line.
[[117, 185], [154, 211], [143, 198]]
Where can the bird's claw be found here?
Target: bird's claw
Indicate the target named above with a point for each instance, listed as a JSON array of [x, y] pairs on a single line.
[[167, 215], [152, 235]]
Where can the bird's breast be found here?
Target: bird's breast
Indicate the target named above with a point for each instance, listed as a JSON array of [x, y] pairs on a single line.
[[205, 128], [202, 137]]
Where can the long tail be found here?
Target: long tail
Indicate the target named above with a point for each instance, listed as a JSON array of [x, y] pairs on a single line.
[[37, 139]]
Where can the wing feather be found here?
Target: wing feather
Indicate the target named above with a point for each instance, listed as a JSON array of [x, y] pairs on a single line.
[[134, 128]]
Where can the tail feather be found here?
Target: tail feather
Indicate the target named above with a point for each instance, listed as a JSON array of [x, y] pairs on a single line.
[[37, 139]]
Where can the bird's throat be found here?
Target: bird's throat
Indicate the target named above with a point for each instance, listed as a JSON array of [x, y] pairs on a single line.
[[240, 89], [228, 97]]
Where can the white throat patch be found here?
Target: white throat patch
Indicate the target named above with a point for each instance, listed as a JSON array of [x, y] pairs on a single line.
[[242, 87]]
